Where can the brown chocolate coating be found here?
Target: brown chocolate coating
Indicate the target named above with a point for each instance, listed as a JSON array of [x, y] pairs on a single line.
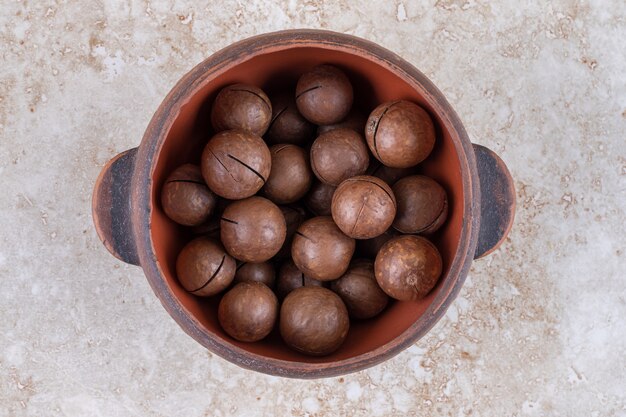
[[185, 197], [369, 247], [355, 120], [290, 278], [388, 174], [422, 205], [262, 272], [400, 134], [407, 267], [253, 230], [363, 207], [291, 175], [294, 216], [314, 321], [320, 198], [241, 106], [287, 124], [359, 290], [321, 250], [248, 311], [324, 95], [203, 267], [338, 155], [235, 164]]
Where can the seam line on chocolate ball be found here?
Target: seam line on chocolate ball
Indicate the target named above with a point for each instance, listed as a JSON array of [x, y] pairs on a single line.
[[187, 181], [255, 94], [247, 166], [228, 220], [378, 185], [212, 276], [378, 124], [307, 90], [224, 166]]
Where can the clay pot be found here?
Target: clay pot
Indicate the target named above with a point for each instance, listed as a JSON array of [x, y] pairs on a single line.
[[132, 225]]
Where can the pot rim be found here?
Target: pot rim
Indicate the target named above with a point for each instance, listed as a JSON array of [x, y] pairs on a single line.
[[152, 142]]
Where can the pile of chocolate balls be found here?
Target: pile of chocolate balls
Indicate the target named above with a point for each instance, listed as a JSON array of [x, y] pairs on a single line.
[[306, 213]]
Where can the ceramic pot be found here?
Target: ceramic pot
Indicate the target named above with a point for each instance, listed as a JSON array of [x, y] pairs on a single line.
[[133, 227]]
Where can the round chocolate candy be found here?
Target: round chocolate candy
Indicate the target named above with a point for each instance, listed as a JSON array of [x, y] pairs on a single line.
[[363, 207], [355, 120], [400, 134], [407, 267], [185, 197], [369, 247], [248, 311], [290, 177], [290, 278], [253, 230], [338, 155], [203, 267], [287, 124], [324, 95], [236, 164], [294, 216], [321, 250], [241, 106], [359, 290], [422, 205], [320, 198], [262, 272], [314, 321]]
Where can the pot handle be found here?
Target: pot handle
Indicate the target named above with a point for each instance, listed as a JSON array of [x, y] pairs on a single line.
[[111, 209], [497, 201]]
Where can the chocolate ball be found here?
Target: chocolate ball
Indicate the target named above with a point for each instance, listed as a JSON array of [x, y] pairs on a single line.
[[370, 247], [324, 95], [253, 230], [262, 272], [236, 164], [407, 267], [400, 134], [422, 205], [241, 106], [290, 177], [338, 155], [359, 290], [294, 216], [248, 311], [314, 321], [319, 198], [363, 207], [185, 197], [321, 250], [355, 120], [287, 124], [388, 174], [290, 278], [203, 267]]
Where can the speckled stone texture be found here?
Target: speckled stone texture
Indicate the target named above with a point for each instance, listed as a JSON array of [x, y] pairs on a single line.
[[539, 328]]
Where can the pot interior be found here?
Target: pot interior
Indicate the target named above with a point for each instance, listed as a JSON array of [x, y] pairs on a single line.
[[373, 84]]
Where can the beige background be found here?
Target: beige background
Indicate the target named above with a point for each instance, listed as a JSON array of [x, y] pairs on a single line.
[[538, 329]]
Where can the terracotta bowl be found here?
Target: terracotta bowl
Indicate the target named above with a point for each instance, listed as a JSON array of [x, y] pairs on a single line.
[[133, 227]]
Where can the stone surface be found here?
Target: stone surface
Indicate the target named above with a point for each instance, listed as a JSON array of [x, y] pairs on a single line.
[[538, 329]]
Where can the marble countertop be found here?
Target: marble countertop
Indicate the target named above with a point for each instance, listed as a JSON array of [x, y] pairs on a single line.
[[538, 328]]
